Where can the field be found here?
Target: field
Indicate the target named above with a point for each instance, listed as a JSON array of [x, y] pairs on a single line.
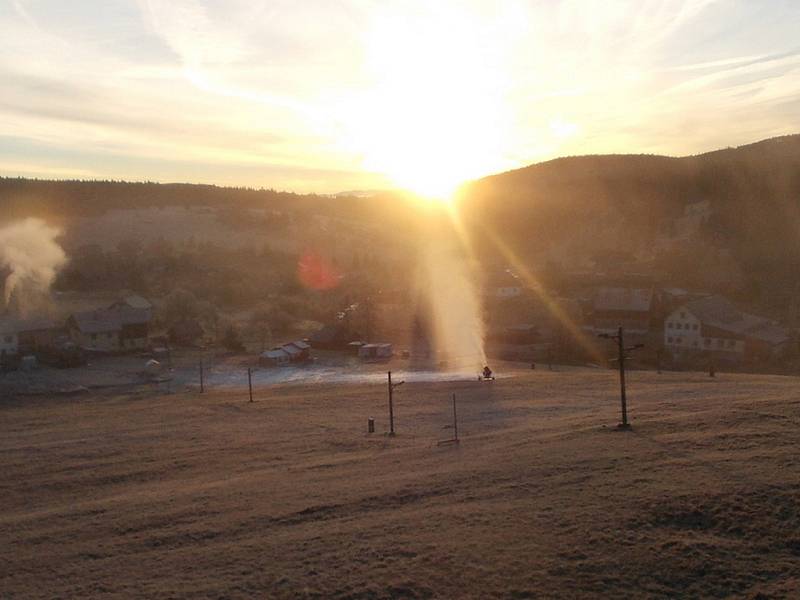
[[189, 495]]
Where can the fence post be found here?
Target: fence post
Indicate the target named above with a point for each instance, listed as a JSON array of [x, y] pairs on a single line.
[[455, 419], [391, 406]]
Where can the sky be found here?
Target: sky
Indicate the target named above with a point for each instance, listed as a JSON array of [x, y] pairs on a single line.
[[326, 95]]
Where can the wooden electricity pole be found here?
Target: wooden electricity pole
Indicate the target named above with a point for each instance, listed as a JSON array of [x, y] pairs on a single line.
[[621, 350], [202, 389], [250, 382]]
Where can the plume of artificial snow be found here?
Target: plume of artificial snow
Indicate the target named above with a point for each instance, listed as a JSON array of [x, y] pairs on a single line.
[[28, 248]]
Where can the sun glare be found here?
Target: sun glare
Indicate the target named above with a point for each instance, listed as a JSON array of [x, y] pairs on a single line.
[[434, 114]]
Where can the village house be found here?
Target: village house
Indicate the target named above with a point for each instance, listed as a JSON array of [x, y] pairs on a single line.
[[714, 327], [629, 308], [293, 352], [375, 352], [38, 334], [276, 357], [117, 329]]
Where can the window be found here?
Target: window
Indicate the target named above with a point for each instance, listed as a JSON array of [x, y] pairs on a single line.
[[683, 315], [669, 325], [694, 326], [720, 342], [731, 343], [94, 336], [679, 340], [7, 339], [694, 343], [677, 325], [669, 340], [707, 342]]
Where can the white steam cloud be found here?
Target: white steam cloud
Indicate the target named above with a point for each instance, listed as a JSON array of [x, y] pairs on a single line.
[[455, 304], [28, 248]]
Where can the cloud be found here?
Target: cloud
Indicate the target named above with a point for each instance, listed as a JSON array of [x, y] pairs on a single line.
[[235, 86]]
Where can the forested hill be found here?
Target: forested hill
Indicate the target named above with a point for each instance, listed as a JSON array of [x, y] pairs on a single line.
[[573, 211], [590, 205], [21, 197]]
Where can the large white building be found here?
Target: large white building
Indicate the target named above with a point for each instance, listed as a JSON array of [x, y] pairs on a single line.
[[713, 326]]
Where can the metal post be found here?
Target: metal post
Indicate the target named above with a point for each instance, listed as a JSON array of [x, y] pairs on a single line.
[[455, 419], [202, 388], [391, 406], [623, 399], [250, 382]]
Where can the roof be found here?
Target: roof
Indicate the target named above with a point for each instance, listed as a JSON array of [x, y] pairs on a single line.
[[770, 333], [10, 325], [291, 349], [382, 345], [97, 321], [721, 313], [136, 301], [714, 310], [275, 353], [132, 316], [39, 324], [103, 320], [300, 344], [675, 291], [623, 299]]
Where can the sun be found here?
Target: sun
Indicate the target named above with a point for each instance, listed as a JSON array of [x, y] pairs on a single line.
[[433, 114]]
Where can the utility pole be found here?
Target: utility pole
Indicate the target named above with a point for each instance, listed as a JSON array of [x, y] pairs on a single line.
[[391, 402], [202, 389], [621, 349], [250, 382]]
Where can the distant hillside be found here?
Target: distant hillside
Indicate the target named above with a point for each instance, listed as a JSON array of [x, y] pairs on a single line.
[[21, 197], [581, 208], [582, 212]]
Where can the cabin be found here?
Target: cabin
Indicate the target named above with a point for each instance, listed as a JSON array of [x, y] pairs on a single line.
[[303, 347], [629, 308], [293, 352], [36, 335], [375, 352], [119, 329], [276, 357]]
